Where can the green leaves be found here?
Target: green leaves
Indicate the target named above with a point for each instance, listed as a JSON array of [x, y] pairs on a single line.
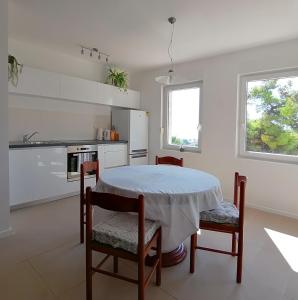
[[117, 78], [176, 141], [14, 69], [275, 128]]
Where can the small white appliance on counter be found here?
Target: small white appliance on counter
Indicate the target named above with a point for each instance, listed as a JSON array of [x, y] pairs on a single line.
[[132, 125]]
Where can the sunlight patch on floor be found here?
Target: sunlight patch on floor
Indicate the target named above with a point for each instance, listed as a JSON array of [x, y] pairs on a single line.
[[287, 245]]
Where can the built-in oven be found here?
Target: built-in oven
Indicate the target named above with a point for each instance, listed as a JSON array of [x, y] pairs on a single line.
[[76, 155]]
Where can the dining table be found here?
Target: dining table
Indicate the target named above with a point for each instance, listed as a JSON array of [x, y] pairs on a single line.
[[174, 196]]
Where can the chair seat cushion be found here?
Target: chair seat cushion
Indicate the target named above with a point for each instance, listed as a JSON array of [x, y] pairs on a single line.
[[226, 213], [121, 231]]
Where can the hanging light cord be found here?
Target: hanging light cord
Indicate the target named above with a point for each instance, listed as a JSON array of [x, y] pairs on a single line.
[[170, 47]]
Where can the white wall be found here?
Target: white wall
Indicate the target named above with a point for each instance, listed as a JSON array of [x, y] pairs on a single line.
[[4, 175], [271, 186], [34, 55], [55, 119]]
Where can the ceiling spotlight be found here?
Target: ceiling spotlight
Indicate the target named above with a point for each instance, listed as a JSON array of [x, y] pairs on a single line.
[[94, 52]]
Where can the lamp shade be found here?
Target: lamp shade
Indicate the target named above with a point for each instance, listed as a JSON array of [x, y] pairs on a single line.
[[165, 79]]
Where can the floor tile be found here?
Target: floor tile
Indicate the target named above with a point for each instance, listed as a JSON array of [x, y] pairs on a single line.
[[21, 282], [62, 268], [110, 288], [44, 260]]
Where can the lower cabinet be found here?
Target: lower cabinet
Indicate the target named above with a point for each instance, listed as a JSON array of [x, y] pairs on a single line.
[[115, 155], [38, 173], [49, 165], [21, 175], [41, 173]]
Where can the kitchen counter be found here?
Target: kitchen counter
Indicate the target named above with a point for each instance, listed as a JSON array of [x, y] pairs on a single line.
[[60, 143]]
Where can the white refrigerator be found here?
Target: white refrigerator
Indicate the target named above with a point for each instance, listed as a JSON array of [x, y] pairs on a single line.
[[132, 126]]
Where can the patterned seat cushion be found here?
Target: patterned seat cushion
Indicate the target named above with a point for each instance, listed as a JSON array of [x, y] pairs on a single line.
[[120, 230], [227, 213]]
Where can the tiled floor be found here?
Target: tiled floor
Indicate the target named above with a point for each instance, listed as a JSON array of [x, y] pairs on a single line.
[[44, 260]]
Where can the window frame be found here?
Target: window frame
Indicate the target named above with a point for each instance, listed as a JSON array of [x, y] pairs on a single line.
[[165, 129], [242, 117]]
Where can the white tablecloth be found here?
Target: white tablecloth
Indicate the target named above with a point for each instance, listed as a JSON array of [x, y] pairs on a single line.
[[174, 196]]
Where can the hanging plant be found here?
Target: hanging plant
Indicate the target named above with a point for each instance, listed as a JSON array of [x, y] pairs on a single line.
[[117, 78], [14, 69]]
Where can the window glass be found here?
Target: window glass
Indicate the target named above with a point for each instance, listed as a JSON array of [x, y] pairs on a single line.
[[183, 114], [272, 115]]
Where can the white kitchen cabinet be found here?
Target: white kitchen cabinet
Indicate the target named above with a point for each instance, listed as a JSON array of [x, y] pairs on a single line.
[[104, 94], [20, 176], [100, 157], [41, 173], [49, 166], [42, 83], [111, 95], [127, 99], [115, 155], [37, 82], [78, 89], [50, 174], [38, 173]]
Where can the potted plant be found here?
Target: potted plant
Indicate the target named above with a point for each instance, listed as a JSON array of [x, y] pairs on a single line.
[[14, 69], [117, 78]]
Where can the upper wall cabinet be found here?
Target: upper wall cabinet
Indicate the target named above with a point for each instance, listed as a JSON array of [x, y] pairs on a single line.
[[37, 83], [104, 93], [78, 89], [111, 95], [121, 98], [54, 85]]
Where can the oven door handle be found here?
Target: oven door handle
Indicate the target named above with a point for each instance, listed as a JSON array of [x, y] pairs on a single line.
[[138, 155]]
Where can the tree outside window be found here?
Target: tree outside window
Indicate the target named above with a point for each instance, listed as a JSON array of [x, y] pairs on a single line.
[[272, 116]]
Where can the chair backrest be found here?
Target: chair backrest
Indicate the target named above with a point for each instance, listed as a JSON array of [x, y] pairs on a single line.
[[116, 203], [87, 167], [169, 160], [239, 195]]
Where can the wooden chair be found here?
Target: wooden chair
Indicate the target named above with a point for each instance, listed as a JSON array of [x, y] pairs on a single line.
[[86, 168], [227, 219], [114, 237], [169, 160]]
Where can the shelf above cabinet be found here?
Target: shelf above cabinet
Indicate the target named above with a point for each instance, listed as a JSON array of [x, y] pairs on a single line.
[[42, 83]]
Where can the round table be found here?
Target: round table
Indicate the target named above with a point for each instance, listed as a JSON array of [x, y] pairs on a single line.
[[174, 196]]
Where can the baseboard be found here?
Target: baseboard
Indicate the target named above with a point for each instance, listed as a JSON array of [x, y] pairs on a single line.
[[273, 211], [6, 233], [42, 201]]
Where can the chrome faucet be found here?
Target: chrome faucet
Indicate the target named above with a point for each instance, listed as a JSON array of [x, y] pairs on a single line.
[[27, 137]]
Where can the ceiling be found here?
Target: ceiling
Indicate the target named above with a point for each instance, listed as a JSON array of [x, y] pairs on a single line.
[[136, 32]]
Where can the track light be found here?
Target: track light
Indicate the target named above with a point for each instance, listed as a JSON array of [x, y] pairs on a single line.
[[91, 51]]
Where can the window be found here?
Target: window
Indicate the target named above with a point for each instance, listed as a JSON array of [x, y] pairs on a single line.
[[182, 116], [269, 116]]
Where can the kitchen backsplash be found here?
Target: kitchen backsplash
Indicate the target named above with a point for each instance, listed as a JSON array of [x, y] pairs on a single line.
[[55, 124]]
